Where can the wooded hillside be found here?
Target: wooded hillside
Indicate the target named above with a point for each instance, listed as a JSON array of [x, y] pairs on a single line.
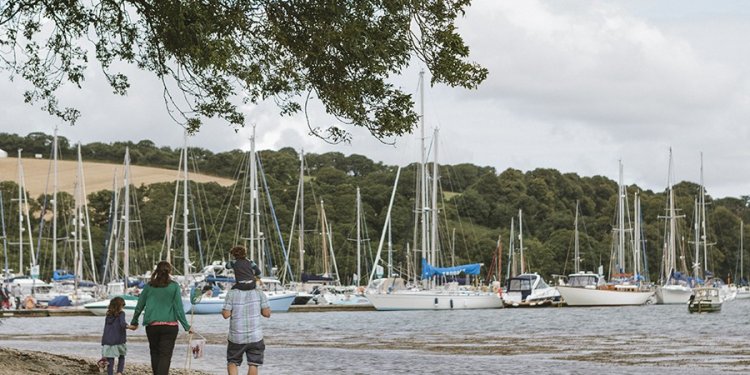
[[477, 202]]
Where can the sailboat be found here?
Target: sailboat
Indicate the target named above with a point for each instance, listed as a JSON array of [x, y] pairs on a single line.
[[120, 234], [591, 289], [674, 286], [279, 298], [743, 289], [68, 288], [726, 292], [25, 241], [333, 293], [527, 289], [391, 293]]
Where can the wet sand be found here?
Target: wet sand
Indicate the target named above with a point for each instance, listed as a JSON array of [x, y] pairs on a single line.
[[18, 362]]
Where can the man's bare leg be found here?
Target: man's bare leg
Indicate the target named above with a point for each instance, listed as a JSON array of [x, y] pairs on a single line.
[[231, 369], [252, 370]]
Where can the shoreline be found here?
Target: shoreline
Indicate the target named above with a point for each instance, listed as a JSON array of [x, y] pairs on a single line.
[[17, 362]]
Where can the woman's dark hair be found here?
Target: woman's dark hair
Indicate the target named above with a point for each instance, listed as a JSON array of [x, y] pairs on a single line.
[[160, 277], [115, 306], [238, 252]]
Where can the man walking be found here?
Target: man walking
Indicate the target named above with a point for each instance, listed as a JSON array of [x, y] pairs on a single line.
[[16, 290], [245, 307]]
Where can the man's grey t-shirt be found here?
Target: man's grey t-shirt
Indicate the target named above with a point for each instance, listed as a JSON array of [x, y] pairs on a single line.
[[245, 322]]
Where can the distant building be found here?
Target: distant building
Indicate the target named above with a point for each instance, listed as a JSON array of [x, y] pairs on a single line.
[[3, 153]]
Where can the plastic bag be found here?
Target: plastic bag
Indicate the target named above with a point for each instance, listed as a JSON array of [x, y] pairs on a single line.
[[197, 346]]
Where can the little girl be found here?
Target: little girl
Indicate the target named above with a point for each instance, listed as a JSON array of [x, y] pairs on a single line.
[[113, 338]]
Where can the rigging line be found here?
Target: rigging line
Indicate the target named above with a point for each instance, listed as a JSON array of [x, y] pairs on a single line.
[[43, 212], [226, 207], [217, 232], [242, 198], [197, 233], [141, 236], [203, 214], [291, 232], [273, 214], [107, 238]]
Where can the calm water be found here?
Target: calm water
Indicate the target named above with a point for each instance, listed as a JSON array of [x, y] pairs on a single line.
[[664, 339]]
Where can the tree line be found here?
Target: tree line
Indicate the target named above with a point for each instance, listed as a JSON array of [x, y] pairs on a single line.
[[476, 205]]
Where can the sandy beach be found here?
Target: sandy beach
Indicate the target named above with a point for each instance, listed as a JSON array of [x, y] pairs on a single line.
[[18, 362]]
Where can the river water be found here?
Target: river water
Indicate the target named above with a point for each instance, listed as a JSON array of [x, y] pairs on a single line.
[[614, 340]]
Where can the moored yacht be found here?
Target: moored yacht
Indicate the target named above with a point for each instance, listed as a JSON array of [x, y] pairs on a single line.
[[590, 289], [528, 290]]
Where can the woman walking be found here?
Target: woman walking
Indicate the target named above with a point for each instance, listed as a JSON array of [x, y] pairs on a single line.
[[161, 298]]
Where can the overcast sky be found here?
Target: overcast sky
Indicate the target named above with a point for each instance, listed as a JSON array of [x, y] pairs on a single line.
[[573, 85]]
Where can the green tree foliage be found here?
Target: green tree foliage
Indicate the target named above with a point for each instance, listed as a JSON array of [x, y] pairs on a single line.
[[218, 53]]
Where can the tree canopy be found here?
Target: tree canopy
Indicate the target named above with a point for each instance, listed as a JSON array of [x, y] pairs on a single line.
[[212, 55]]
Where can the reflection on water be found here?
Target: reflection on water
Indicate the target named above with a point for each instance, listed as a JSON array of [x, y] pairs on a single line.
[[664, 339]]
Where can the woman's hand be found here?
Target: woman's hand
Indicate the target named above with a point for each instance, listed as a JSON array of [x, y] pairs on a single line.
[[133, 327]]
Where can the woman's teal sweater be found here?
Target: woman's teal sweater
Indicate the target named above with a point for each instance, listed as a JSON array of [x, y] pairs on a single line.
[[162, 305]]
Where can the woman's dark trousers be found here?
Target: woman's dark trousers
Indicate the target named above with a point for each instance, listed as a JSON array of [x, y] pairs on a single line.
[[161, 345]]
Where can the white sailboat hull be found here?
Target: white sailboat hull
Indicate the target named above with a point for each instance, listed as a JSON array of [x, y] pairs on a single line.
[[673, 294], [99, 308], [574, 296], [432, 300], [279, 302], [743, 292]]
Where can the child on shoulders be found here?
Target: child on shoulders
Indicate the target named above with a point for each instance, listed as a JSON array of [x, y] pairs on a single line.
[[245, 270]]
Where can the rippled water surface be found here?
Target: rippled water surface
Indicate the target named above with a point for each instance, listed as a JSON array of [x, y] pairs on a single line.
[[615, 340]]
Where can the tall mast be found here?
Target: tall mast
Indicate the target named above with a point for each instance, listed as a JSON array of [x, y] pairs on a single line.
[[253, 195], [4, 237], [637, 235], [185, 211], [576, 252], [704, 236], [333, 254], [621, 223], [390, 250], [520, 240], [672, 222], [423, 170], [359, 237], [324, 225], [23, 215], [116, 229], [697, 235], [20, 214], [301, 212], [433, 205], [77, 220], [126, 221], [512, 249], [54, 202], [85, 219], [382, 234]]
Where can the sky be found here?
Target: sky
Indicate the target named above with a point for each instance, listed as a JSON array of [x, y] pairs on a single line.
[[573, 85]]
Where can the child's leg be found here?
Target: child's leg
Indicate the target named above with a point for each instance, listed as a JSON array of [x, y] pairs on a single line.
[[110, 365], [121, 364]]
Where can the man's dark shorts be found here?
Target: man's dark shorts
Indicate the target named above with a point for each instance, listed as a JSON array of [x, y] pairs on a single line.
[[253, 352]]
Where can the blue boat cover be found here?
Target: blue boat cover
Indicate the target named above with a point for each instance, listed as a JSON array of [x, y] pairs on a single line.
[[215, 279], [59, 301], [59, 275], [468, 269]]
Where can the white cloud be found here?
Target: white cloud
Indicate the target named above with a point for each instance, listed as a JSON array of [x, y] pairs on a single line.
[[573, 85]]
